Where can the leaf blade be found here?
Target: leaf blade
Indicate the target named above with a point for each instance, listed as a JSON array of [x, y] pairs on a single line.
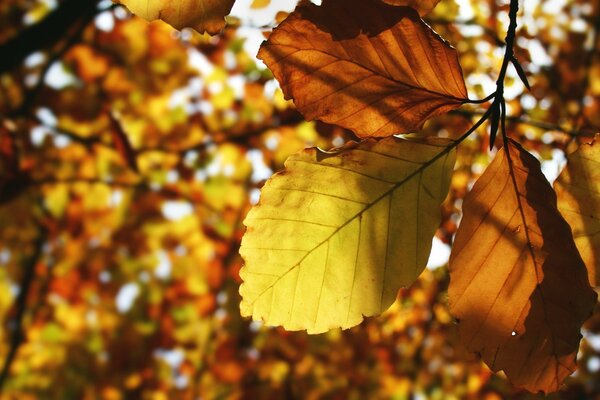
[[376, 69], [578, 192], [341, 241], [518, 286]]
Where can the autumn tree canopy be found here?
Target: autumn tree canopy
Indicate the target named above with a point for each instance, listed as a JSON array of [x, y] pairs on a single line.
[[383, 199]]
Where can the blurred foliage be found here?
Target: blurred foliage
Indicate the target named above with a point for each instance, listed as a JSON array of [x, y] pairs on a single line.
[[130, 155]]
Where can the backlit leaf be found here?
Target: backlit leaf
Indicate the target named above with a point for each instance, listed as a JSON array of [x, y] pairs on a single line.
[[201, 15], [376, 69], [424, 7], [518, 285], [578, 191], [335, 235]]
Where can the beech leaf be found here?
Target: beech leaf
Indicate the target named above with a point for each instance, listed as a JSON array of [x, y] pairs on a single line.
[[578, 191], [518, 286], [376, 69], [424, 7], [336, 234], [201, 15]]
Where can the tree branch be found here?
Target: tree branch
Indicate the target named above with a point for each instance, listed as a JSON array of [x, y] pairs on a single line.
[[16, 325], [45, 33]]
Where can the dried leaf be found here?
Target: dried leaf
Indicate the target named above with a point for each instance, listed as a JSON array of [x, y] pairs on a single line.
[[335, 235], [424, 7], [376, 69], [201, 15], [518, 285], [578, 191]]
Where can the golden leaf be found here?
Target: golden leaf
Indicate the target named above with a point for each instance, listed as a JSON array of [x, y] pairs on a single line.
[[201, 15], [376, 69], [517, 283], [336, 234], [578, 191]]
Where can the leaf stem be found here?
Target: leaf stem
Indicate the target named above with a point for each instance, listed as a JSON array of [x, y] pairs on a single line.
[[17, 335], [508, 56], [484, 100]]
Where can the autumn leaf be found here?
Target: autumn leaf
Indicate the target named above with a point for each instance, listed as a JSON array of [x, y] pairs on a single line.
[[424, 7], [376, 69], [335, 235], [518, 285], [122, 144], [578, 191], [201, 15]]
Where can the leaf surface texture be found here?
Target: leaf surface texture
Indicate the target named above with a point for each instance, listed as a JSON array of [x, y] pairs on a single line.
[[376, 69], [335, 235], [518, 286]]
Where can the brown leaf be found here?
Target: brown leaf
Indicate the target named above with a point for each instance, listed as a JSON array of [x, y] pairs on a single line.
[[518, 285], [376, 69], [424, 7], [578, 191]]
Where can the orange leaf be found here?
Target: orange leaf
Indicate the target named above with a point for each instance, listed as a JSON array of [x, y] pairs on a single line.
[[376, 69], [518, 285], [424, 7]]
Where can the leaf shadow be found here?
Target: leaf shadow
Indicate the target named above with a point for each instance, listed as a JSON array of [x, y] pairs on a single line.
[[375, 17], [562, 299], [541, 355]]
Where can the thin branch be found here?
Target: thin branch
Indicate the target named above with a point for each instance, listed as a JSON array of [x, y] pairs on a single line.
[[16, 325], [526, 121], [77, 29], [508, 56], [45, 33]]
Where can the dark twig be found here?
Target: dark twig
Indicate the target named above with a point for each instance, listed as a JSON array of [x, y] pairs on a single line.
[[16, 324], [45, 33], [508, 57], [529, 122], [77, 29]]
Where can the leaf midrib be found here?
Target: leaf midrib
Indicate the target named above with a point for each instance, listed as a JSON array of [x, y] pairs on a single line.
[[386, 193], [372, 71]]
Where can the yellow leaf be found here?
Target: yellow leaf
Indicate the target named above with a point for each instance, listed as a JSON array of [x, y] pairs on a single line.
[[336, 234], [376, 69], [518, 286], [201, 15], [578, 191], [257, 4]]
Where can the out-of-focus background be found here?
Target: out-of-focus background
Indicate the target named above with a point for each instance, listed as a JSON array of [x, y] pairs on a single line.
[[129, 155]]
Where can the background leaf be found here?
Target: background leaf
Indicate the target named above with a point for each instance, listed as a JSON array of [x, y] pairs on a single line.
[[578, 191], [202, 15], [518, 285], [376, 69], [335, 235]]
